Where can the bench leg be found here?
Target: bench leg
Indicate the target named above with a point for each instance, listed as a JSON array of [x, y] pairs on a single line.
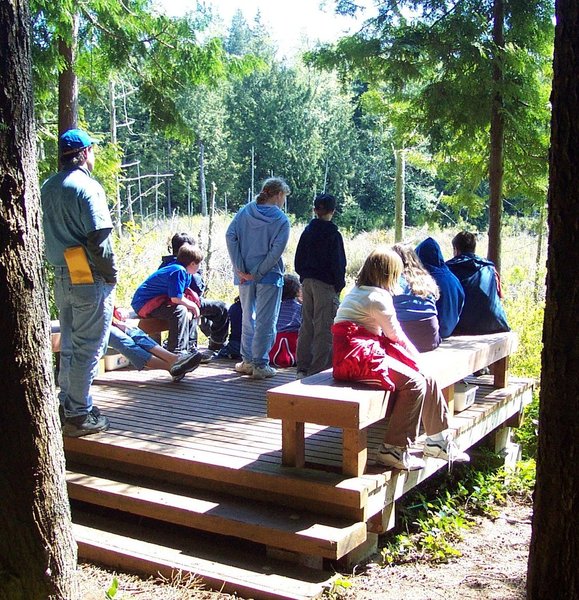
[[355, 452], [448, 393], [500, 371], [293, 445]]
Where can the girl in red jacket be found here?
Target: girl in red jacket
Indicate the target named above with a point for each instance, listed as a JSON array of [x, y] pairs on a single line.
[[370, 347]]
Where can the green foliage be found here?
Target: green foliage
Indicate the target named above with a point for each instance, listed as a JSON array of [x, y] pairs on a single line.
[[433, 527], [338, 589], [111, 593]]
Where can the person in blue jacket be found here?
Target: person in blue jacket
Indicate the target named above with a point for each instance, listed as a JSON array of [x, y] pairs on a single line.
[[415, 302], [482, 311], [256, 239], [449, 304]]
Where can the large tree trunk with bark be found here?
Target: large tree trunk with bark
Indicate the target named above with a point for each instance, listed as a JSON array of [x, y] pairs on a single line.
[[497, 135], [37, 550], [554, 556]]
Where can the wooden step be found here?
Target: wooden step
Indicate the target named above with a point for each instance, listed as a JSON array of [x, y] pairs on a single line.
[[230, 567], [279, 527]]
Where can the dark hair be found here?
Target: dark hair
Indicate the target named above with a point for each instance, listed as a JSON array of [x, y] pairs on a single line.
[[189, 254], [272, 187], [179, 239], [76, 159], [291, 287], [464, 242], [324, 204]]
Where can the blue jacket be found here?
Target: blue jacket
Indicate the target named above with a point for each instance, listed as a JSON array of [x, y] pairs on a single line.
[[451, 300], [482, 312], [256, 240], [320, 254], [197, 281]]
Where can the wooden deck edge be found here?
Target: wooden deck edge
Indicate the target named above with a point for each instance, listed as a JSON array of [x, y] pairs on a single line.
[[307, 484], [269, 581], [286, 528]]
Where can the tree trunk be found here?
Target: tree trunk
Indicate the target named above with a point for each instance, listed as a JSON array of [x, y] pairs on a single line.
[[37, 549], [202, 184], [400, 201], [67, 81], [496, 164], [113, 127], [554, 556]]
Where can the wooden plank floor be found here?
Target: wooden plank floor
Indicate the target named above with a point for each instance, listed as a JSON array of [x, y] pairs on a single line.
[[212, 415]]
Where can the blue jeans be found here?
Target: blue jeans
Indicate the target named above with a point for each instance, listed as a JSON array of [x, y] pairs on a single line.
[[260, 303], [133, 343], [85, 314]]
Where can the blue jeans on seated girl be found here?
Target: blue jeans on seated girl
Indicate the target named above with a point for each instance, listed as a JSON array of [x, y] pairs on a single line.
[[133, 343]]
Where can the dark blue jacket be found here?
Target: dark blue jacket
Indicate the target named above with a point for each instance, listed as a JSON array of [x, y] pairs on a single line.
[[320, 254], [483, 311], [451, 300]]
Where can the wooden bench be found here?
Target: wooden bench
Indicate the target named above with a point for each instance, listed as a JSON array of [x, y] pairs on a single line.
[[353, 407]]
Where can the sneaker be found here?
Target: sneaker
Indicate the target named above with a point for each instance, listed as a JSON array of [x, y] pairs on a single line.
[[264, 372], [185, 364], [206, 356], [85, 425], [301, 374], [245, 368], [443, 446], [93, 411], [397, 457]]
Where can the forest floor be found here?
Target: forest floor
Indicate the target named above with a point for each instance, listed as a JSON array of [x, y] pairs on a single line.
[[492, 566]]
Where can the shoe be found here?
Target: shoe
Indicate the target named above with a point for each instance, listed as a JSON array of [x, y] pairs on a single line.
[[215, 346], [264, 372], [185, 364], [85, 425], [244, 368], [206, 356], [301, 374], [62, 416], [443, 446], [397, 457]]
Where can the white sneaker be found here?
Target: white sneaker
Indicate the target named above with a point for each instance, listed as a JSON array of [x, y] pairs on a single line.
[[441, 445], [245, 368], [264, 372], [397, 457]]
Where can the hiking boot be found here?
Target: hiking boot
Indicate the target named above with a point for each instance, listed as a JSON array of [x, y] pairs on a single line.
[[442, 446], [245, 368], [85, 425], [206, 356], [397, 457], [264, 372], [94, 411], [185, 364]]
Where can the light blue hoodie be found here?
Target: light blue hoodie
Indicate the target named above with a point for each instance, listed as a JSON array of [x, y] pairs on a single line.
[[256, 239]]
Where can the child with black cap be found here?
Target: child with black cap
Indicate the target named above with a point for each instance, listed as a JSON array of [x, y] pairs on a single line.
[[320, 262]]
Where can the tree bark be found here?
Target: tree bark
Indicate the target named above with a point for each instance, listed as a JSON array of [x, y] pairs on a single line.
[[553, 557], [497, 135], [400, 200], [202, 184], [67, 81], [37, 549]]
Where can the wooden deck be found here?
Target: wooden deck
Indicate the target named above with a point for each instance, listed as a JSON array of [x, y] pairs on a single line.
[[202, 454]]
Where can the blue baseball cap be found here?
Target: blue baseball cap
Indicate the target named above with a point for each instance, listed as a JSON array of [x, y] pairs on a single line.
[[74, 140]]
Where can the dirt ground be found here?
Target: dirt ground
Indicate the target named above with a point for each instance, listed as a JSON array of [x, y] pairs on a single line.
[[493, 566]]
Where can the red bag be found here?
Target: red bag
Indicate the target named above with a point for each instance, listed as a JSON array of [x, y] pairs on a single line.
[[283, 352]]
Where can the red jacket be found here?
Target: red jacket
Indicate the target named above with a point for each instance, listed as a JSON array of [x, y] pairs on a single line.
[[359, 355]]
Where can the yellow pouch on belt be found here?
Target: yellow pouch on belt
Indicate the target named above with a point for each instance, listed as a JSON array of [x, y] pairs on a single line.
[[78, 266]]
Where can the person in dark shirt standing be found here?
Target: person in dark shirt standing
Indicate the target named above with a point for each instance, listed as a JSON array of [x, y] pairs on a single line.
[[320, 262]]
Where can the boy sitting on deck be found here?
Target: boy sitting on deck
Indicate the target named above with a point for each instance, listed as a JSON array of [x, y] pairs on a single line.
[[214, 318], [166, 294]]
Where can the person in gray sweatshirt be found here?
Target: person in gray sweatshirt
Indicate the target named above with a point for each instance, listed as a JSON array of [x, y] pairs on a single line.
[[256, 240]]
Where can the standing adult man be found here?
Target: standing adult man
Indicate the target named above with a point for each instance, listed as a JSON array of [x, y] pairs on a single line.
[[77, 231]]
